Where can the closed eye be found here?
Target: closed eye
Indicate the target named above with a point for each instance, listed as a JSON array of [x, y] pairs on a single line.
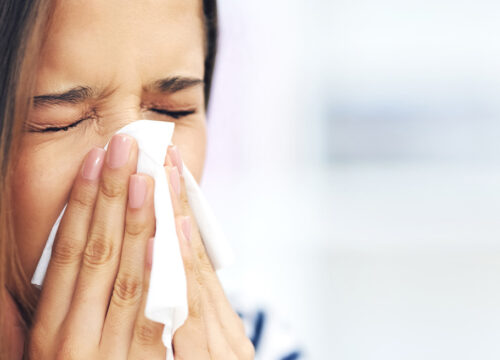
[[32, 128], [173, 114]]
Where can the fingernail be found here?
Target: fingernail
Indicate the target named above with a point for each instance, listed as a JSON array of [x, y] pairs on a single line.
[[169, 156], [149, 253], [186, 228], [175, 157], [119, 150], [136, 191], [93, 163], [175, 180]]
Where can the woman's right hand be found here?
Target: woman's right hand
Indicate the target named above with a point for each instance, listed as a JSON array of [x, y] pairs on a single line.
[[93, 298]]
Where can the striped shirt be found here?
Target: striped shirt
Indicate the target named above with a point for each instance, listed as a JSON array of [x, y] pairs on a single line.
[[270, 335]]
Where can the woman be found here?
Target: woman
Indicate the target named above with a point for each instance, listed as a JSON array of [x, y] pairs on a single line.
[[74, 72]]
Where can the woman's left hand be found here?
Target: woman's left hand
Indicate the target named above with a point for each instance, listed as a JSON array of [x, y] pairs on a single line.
[[212, 330]]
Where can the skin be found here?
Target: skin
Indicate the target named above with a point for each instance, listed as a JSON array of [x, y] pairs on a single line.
[[98, 261], [119, 48]]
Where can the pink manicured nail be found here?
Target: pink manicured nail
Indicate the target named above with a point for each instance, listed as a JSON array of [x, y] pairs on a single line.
[[168, 158], [175, 180], [149, 253], [136, 191], [186, 228], [93, 163], [175, 157], [119, 150]]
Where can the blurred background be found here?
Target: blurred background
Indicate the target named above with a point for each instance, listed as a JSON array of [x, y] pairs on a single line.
[[353, 161]]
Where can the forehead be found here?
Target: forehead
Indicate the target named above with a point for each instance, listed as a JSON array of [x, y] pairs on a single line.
[[116, 41]]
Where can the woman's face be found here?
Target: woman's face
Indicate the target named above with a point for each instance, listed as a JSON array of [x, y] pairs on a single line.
[[110, 63]]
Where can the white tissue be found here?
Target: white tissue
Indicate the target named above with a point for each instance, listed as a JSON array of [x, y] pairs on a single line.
[[167, 297]]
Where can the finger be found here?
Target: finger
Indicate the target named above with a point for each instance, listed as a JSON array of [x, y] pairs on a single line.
[[174, 170], [190, 340], [102, 250], [128, 286], [231, 323], [217, 343], [193, 328], [203, 305], [174, 185], [193, 278], [232, 326], [147, 334], [146, 338], [173, 157], [182, 207], [69, 243], [180, 200]]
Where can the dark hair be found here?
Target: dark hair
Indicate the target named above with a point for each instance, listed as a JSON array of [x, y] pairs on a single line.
[[211, 30], [23, 25]]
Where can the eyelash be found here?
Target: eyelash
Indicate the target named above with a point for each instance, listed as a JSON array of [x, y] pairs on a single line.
[[173, 114]]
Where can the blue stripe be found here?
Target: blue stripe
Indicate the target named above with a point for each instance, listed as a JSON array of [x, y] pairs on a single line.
[[292, 356], [258, 326]]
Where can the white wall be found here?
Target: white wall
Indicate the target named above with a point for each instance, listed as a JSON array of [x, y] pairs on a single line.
[[353, 160]]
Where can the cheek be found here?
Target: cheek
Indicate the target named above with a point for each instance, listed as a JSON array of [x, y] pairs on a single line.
[[42, 182]]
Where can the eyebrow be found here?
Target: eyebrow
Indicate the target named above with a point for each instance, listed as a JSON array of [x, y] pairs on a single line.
[[73, 96], [173, 84], [80, 94]]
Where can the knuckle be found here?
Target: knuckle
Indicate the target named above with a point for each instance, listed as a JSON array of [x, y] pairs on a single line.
[[145, 334], [134, 228], [98, 252], [202, 258], [185, 203], [200, 253], [194, 304], [66, 251], [198, 277], [205, 266], [111, 188], [82, 198], [189, 265], [127, 290]]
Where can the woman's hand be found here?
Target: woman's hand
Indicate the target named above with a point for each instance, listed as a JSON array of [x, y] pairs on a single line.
[[93, 298], [93, 287], [212, 330]]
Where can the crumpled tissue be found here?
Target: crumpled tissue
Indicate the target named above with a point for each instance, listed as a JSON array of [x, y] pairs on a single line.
[[167, 297]]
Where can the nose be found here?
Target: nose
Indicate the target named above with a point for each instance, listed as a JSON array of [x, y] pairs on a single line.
[[121, 112]]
